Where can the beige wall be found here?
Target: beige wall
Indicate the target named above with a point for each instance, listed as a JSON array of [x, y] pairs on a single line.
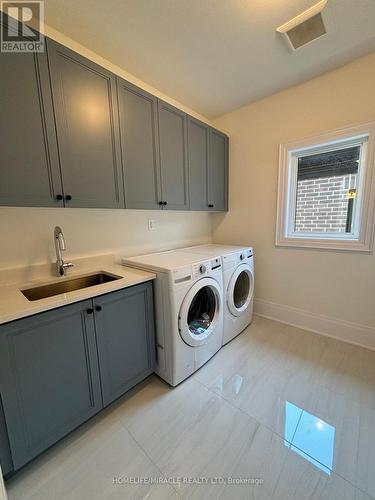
[[26, 234], [335, 284]]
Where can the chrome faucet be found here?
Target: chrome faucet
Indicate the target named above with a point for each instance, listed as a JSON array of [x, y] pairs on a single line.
[[60, 246]]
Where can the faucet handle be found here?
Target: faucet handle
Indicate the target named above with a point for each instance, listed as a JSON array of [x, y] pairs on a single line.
[[67, 264]]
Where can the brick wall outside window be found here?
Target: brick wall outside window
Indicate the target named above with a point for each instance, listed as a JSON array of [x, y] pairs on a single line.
[[322, 203]]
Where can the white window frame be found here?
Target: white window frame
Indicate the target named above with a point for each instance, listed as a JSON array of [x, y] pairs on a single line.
[[361, 238]]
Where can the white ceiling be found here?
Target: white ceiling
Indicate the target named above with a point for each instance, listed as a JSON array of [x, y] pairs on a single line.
[[213, 55]]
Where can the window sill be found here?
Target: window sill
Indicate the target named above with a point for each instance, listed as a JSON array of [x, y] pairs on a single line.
[[349, 245]]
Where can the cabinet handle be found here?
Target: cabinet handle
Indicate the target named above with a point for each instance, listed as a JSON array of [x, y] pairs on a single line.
[[59, 197], [161, 203], [89, 310], [98, 308], [210, 205], [165, 203], [68, 197]]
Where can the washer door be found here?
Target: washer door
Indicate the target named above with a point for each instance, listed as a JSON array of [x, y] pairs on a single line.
[[240, 289], [199, 312]]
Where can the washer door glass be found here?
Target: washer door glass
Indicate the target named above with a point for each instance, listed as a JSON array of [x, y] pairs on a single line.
[[202, 311], [240, 290]]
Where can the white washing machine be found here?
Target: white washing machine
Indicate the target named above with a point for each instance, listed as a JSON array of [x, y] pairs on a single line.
[[238, 284], [188, 293]]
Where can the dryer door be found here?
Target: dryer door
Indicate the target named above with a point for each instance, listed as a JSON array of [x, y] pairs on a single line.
[[199, 313], [240, 289]]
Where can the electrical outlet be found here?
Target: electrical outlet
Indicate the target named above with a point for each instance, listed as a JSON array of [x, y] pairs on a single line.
[[151, 224]]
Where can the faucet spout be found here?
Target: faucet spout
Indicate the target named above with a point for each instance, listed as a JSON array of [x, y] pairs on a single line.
[[60, 246]]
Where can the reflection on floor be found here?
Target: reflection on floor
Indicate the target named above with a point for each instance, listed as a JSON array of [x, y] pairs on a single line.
[[309, 436], [278, 413]]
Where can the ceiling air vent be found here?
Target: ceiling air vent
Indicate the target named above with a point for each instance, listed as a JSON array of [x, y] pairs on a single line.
[[305, 27]]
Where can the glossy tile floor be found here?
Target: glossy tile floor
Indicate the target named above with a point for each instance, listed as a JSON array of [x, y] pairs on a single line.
[[279, 413]]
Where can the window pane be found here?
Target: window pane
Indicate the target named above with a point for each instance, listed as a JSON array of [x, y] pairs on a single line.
[[326, 191]]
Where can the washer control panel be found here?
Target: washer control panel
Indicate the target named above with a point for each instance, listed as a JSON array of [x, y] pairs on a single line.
[[215, 263], [202, 269], [205, 268]]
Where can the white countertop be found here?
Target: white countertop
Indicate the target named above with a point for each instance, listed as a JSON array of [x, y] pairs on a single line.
[[14, 305]]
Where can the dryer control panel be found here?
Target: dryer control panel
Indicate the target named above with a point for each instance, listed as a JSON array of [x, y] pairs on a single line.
[[245, 256]]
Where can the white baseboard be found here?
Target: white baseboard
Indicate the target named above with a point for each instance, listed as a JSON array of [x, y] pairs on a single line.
[[354, 333]]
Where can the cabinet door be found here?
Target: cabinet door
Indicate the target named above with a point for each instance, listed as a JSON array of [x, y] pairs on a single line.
[[173, 157], [29, 165], [218, 172], [139, 146], [125, 335], [85, 103], [5, 455], [198, 138], [49, 377]]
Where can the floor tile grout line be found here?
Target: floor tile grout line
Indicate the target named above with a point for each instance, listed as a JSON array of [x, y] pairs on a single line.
[[148, 456], [281, 437], [335, 473], [248, 416], [295, 430], [324, 386], [243, 411]]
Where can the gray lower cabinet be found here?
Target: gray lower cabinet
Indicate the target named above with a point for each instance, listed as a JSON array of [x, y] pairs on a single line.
[[85, 103], [139, 146], [29, 170], [49, 378], [125, 336], [6, 462], [58, 367], [218, 171], [173, 157], [198, 154]]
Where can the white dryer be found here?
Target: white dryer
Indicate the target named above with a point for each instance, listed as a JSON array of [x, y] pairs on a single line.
[[238, 283], [188, 294]]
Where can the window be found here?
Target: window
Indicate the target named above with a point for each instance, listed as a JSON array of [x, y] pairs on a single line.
[[326, 191]]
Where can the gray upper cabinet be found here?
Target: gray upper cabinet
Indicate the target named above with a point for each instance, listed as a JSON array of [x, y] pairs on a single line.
[[49, 377], [125, 335], [218, 171], [139, 146], [29, 165], [73, 134], [208, 167], [85, 104], [173, 157], [198, 154]]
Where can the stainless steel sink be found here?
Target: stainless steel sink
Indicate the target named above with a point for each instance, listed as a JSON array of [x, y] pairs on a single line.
[[44, 291]]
